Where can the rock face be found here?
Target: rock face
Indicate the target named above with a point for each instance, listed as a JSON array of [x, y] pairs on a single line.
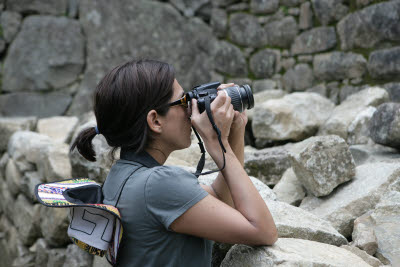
[[50, 59], [384, 63], [298, 78], [281, 33], [328, 11], [293, 252], [385, 125], [289, 189], [245, 30], [339, 66], [265, 63], [290, 118], [344, 114], [267, 164], [369, 26], [383, 221], [8, 126], [315, 40], [229, 59], [322, 163], [357, 197], [58, 128]]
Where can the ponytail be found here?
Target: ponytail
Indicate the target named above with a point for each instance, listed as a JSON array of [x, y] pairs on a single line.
[[83, 142]]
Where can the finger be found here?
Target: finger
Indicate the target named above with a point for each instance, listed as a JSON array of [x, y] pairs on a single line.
[[225, 85], [195, 110], [219, 100], [231, 112], [227, 102]]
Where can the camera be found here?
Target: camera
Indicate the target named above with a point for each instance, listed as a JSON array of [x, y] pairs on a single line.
[[241, 96]]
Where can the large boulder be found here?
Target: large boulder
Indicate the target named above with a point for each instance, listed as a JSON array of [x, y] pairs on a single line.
[[245, 30], [358, 131], [339, 66], [281, 33], [385, 63], [328, 11], [58, 7], [265, 63], [186, 43], [393, 90], [292, 252], [59, 128], [385, 125], [219, 21], [8, 126], [54, 225], [43, 60], [263, 96], [298, 78], [315, 40], [267, 164], [229, 59], [345, 113], [369, 26], [294, 117], [322, 163], [373, 153], [363, 255], [383, 221], [289, 189], [34, 104], [353, 199]]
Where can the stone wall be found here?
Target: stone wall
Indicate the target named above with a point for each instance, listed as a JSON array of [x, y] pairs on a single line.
[[54, 53]]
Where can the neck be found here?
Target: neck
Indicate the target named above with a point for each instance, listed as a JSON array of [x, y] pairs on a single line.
[[157, 154]]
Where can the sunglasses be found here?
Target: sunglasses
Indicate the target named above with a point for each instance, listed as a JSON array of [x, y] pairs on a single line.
[[180, 102]]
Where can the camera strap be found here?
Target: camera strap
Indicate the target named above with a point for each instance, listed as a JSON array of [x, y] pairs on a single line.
[[200, 165]]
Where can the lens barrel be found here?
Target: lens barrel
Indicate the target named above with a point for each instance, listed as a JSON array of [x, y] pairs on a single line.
[[241, 97]]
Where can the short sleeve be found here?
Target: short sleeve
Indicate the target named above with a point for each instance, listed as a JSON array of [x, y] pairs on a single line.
[[169, 192]]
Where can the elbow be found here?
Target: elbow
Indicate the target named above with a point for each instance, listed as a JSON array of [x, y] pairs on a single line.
[[270, 238]]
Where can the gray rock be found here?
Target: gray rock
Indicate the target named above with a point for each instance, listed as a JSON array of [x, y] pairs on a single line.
[[219, 21], [306, 16], [188, 44], [358, 131], [245, 30], [290, 3], [267, 164], [25, 217], [370, 26], [385, 125], [322, 163], [56, 257], [8, 126], [54, 226], [262, 85], [262, 97], [292, 252], [10, 22], [393, 90], [383, 221], [328, 11], [7, 201], [264, 6], [293, 222], [222, 3], [315, 40], [229, 59], [281, 33], [319, 89], [59, 128], [305, 58], [100, 262], [339, 66], [13, 178], [344, 114], [347, 90], [385, 64], [364, 236], [50, 158], [77, 257], [41, 249], [373, 153], [298, 78], [10, 243], [291, 118], [188, 8], [264, 63], [43, 60], [363, 255], [289, 189], [353, 199], [58, 7], [28, 184], [73, 8], [288, 63], [295, 11], [238, 7]]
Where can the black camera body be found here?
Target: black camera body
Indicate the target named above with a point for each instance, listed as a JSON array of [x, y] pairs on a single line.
[[241, 96]]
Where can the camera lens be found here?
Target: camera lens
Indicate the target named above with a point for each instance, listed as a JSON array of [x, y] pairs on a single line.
[[241, 97]]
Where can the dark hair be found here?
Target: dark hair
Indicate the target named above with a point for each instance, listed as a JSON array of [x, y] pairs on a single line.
[[122, 100]]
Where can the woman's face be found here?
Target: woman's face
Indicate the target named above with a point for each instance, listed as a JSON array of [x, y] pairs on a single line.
[[177, 125]]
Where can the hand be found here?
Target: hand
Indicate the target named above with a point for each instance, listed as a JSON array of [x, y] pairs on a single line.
[[223, 113]]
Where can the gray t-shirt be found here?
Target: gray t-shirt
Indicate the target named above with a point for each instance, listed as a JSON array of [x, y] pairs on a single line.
[[152, 198]]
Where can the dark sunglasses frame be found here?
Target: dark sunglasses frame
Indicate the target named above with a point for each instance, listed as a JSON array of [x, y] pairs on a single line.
[[180, 102]]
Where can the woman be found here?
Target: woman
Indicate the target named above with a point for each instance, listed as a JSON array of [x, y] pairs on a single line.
[[168, 217]]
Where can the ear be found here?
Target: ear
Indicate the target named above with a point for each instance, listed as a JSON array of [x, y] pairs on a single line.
[[154, 122]]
